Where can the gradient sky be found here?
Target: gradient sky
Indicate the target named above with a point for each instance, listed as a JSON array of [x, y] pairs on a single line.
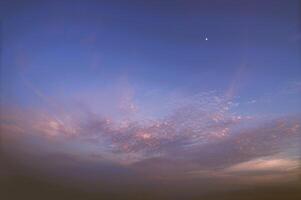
[[206, 90]]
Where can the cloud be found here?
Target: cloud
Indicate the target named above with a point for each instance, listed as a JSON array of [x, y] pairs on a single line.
[[251, 101], [265, 164], [193, 120], [263, 170], [243, 150], [201, 133]]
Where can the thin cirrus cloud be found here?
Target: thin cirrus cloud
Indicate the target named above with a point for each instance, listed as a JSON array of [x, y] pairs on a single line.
[[193, 121], [200, 133]]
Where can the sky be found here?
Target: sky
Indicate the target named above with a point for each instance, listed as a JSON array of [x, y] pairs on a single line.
[[155, 94]]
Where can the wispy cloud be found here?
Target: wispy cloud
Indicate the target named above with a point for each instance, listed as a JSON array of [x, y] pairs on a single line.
[[200, 134], [265, 165]]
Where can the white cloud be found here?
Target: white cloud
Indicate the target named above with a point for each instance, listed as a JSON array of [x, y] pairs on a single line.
[[265, 164]]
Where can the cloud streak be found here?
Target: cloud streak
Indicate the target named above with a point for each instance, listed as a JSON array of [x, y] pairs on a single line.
[[201, 133]]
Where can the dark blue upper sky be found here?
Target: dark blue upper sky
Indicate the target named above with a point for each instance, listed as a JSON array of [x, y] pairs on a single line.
[[156, 44]]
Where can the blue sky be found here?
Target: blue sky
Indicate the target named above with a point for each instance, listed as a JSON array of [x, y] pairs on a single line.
[[155, 45]]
